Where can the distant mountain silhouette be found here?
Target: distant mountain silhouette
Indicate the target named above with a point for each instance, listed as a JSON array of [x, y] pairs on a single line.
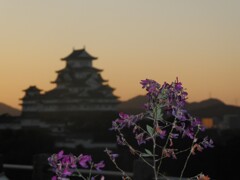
[[133, 105], [211, 108], [204, 104], [6, 109], [206, 108]]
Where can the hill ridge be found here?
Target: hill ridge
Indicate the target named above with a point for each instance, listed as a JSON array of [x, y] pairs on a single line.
[[206, 108], [7, 109]]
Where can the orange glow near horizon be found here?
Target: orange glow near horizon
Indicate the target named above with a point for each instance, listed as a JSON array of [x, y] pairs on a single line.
[[198, 42]]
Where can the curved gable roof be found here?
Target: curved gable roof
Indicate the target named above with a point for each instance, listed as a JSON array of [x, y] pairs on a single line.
[[79, 54]]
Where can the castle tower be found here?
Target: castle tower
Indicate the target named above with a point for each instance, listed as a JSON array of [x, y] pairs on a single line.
[[31, 99], [79, 88]]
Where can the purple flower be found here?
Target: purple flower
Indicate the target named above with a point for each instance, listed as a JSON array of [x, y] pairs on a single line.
[[147, 106], [151, 86], [99, 165], [125, 120], [174, 135], [140, 138], [63, 165], [69, 160], [120, 140], [180, 128], [66, 172], [196, 122], [180, 114], [169, 153], [123, 115], [84, 160], [196, 147], [188, 133], [114, 156], [207, 143], [111, 155], [178, 86], [161, 133], [60, 154], [54, 178]]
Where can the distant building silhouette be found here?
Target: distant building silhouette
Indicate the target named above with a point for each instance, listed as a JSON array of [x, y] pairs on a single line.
[[79, 87]]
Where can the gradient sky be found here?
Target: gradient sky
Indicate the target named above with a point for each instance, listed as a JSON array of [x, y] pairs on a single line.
[[198, 41]]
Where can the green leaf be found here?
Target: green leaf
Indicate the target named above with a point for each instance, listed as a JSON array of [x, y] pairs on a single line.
[[159, 113], [150, 114], [148, 152], [150, 130], [145, 155]]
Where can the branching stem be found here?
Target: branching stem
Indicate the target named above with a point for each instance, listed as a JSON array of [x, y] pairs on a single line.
[[185, 164]]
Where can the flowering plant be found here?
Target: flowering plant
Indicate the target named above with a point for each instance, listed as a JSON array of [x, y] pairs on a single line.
[[65, 165], [156, 131]]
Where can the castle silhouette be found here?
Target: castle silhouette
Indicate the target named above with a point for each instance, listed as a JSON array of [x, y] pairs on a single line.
[[79, 88]]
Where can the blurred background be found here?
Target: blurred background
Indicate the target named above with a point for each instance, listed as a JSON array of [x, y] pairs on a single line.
[[68, 68]]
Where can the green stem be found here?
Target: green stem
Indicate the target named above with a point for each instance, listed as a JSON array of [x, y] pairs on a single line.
[[90, 171], [185, 164], [80, 175], [155, 124], [123, 172], [132, 149], [154, 159], [165, 145]]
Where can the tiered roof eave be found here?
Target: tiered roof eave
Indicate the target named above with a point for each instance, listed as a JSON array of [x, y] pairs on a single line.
[[32, 88], [79, 54], [80, 69]]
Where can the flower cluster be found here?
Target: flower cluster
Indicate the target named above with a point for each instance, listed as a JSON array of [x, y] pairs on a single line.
[[65, 165], [166, 121], [170, 98]]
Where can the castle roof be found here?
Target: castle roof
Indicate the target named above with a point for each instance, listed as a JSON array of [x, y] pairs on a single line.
[[65, 94], [80, 69], [72, 81], [32, 89], [55, 93], [79, 54]]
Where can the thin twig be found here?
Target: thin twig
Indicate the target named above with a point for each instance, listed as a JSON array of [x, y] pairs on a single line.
[[164, 147], [185, 164]]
